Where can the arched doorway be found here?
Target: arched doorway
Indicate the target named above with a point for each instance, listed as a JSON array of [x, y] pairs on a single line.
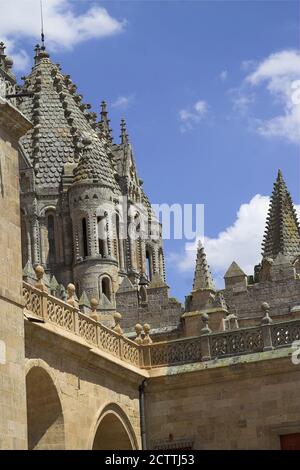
[[44, 412], [113, 432]]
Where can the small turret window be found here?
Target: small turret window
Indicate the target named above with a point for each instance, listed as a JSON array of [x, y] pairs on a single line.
[[84, 238], [106, 287]]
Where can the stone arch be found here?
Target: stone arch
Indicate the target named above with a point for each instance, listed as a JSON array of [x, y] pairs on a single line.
[[112, 430], [45, 419]]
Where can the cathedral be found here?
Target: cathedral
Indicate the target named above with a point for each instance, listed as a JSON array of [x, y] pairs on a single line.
[[91, 319]]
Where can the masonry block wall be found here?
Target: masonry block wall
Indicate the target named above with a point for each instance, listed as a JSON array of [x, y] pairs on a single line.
[[230, 404]]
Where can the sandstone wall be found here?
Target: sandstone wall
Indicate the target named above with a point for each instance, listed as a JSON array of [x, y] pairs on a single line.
[[12, 377]]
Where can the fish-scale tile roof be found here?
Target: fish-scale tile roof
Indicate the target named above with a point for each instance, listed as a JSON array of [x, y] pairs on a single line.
[[282, 234], [59, 120], [202, 277]]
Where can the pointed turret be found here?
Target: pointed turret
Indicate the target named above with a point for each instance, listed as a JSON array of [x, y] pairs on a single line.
[[234, 271], [202, 278], [105, 130], [235, 277], [124, 135], [282, 234], [203, 300]]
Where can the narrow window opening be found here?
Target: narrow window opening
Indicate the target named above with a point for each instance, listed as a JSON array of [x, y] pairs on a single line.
[[84, 238], [51, 239], [149, 264], [105, 287]]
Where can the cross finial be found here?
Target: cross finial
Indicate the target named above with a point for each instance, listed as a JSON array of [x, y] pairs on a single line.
[[42, 26]]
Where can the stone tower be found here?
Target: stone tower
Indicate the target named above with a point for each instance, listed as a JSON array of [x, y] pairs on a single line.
[[85, 215], [12, 362]]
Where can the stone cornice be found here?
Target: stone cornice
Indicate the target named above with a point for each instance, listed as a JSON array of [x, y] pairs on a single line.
[[12, 120]]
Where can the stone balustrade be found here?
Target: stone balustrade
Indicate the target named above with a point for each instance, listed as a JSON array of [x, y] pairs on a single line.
[[50, 309], [145, 354]]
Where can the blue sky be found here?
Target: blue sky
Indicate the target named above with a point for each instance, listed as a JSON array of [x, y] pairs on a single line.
[[156, 62]]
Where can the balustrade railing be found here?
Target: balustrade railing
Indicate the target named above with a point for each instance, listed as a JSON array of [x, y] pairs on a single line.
[[209, 346], [49, 308]]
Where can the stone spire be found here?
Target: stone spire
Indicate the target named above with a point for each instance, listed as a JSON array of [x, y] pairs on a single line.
[[202, 278], [105, 130], [282, 234], [124, 135]]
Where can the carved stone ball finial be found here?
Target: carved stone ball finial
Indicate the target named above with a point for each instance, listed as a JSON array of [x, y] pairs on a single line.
[[205, 330], [94, 302], [39, 272], [71, 297], [147, 339], [138, 329], [266, 320], [117, 327]]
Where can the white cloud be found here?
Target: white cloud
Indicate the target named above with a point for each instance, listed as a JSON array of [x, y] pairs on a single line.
[[280, 73], [21, 60], [247, 65], [241, 100], [241, 242], [20, 19], [223, 75], [193, 115], [122, 102]]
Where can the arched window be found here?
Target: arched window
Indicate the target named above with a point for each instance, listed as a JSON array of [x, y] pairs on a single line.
[[149, 263], [106, 287], [84, 237], [51, 239]]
